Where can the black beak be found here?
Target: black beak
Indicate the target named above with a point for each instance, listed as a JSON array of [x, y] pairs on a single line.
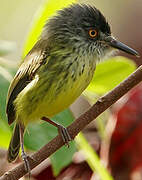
[[118, 45]]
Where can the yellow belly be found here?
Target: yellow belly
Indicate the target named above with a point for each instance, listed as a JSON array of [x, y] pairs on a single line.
[[35, 102], [67, 96]]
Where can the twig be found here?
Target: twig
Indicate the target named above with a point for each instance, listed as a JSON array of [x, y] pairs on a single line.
[[100, 106]]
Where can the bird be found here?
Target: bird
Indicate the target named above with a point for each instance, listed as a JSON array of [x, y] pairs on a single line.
[[58, 69]]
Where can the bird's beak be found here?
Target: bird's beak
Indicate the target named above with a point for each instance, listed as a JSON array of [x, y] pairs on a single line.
[[118, 45]]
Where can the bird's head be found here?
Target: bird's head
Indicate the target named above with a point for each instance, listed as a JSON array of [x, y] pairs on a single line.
[[84, 29]]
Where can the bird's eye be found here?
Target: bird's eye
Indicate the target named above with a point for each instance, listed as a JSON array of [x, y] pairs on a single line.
[[93, 33]]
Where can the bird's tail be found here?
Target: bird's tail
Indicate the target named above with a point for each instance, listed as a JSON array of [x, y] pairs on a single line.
[[14, 145]]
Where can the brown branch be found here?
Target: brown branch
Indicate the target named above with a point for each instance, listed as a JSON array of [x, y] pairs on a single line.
[[100, 106]]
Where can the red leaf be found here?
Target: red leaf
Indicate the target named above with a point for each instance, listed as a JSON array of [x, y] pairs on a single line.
[[126, 143]]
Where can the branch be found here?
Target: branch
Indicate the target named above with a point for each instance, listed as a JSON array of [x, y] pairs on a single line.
[[100, 106]]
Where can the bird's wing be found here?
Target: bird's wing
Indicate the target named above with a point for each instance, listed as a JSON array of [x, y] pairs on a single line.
[[24, 75]]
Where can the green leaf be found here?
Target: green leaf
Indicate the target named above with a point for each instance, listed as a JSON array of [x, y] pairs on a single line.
[[39, 134], [92, 158], [48, 8], [62, 158], [5, 134], [110, 73], [6, 72], [4, 128], [4, 84]]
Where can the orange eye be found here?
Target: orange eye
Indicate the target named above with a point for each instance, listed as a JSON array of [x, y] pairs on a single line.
[[93, 33]]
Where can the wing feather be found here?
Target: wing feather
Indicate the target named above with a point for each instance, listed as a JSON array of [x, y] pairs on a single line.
[[24, 76]]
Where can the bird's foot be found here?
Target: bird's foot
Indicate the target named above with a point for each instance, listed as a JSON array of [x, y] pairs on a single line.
[[64, 134], [26, 163]]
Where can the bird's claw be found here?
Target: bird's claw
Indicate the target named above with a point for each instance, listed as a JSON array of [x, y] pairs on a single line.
[[26, 163], [64, 134]]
